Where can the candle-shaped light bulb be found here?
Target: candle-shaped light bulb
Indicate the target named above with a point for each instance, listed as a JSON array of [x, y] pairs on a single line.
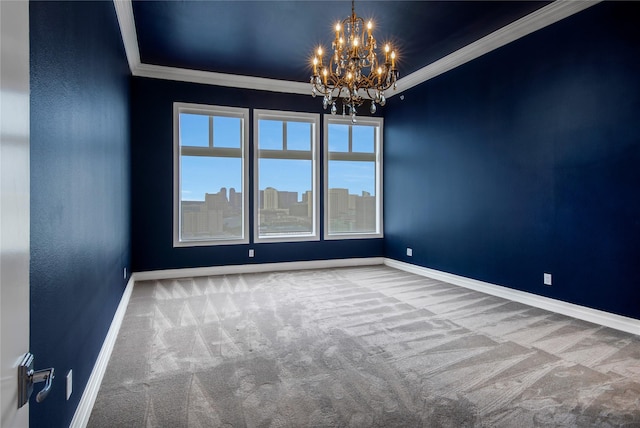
[[370, 27], [387, 48], [355, 42], [393, 59], [324, 75], [379, 71], [320, 51], [337, 30], [315, 66], [349, 76]]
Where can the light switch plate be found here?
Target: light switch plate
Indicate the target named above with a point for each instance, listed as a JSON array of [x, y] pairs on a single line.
[[547, 279]]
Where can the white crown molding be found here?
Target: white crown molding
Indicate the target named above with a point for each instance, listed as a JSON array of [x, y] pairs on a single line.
[[124, 12], [535, 21], [607, 319], [221, 79]]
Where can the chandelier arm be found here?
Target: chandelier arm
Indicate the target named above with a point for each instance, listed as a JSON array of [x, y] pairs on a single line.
[[372, 97], [353, 73]]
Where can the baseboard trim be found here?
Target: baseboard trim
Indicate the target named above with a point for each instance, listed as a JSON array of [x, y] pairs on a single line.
[[618, 322], [255, 268], [83, 411]]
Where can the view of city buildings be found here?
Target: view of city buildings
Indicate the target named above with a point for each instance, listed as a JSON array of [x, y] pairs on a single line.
[[280, 212], [351, 213], [218, 216]]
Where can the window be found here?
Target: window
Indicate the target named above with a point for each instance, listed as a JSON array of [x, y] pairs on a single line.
[[210, 174], [286, 176], [353, 178]]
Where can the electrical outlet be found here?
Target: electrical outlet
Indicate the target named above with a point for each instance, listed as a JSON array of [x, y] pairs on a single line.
[[547, 279], [409, 252], [251, 252], [69, 383]]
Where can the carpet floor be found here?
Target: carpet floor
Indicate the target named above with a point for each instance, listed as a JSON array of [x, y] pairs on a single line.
[[358, 347]]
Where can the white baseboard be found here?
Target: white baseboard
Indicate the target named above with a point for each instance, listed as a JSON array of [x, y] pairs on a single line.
[[618, 322], [255, 268], [83, 411]]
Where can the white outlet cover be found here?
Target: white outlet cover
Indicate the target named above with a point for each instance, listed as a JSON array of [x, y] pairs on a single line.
[[547, 279], [251, 253], [409, 252]]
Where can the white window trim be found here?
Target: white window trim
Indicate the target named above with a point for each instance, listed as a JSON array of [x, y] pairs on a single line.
[[378, 122], [242, 113], [289, 116]]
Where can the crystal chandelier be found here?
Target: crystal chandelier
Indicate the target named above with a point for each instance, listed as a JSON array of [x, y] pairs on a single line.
[[354, 74]]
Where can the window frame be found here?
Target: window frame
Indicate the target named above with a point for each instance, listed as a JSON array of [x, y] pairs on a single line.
[[210, 110], [378, 124], [287, 116]]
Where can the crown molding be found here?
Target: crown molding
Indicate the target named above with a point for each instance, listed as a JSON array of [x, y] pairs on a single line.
[[220, 79], [543, 17], [124, 12]]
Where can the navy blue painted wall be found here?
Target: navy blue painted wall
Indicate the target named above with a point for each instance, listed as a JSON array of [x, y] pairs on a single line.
[[525, 161], [152, 181], [80, 206]]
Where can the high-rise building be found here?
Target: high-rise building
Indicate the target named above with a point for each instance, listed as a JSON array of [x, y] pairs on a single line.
[[286, 199], [338, 202], [235, 199], [307, 197], [365, 213], [270, 198], [207, 218]]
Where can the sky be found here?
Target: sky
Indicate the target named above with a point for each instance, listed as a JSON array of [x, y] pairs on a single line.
[[202, 175]]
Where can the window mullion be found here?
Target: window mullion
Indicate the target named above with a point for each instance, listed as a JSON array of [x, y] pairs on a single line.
[[226, 152], [210, 131], [284, 135]]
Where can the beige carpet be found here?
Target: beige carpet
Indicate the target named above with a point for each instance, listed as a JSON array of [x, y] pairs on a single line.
[[359, 347]]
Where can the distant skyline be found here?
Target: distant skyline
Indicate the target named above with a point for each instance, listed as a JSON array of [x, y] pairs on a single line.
[[201, 174]]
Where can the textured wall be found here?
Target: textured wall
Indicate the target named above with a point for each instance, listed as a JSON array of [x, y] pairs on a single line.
[[525, 161], [152, 181], [79, 191]]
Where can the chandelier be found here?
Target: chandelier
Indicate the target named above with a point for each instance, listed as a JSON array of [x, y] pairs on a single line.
[[354, 73]]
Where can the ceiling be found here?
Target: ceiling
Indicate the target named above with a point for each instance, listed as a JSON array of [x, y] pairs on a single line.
[[268, 45], [275, 39]]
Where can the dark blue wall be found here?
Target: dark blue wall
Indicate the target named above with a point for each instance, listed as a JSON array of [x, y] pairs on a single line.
[[526, 161], [80, 235], [152, 181]]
